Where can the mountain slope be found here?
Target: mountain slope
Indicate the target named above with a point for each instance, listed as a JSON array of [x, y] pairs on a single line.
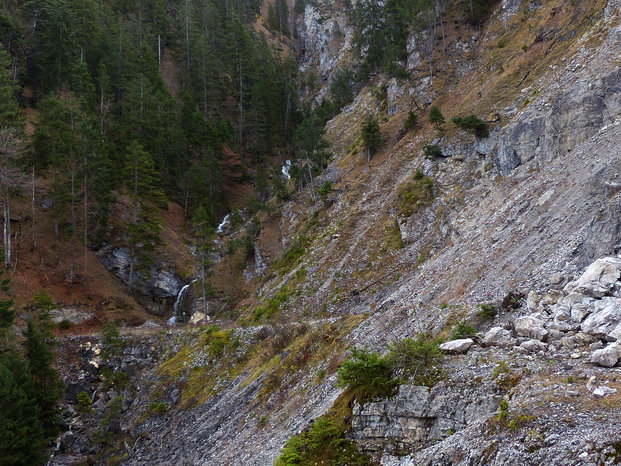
[[515, 215]]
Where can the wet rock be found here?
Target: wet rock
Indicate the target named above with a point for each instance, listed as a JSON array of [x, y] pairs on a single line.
[[457, 346]]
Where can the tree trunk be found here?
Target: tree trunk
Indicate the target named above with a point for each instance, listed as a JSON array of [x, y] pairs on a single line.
[[34, 244], [7, 233]]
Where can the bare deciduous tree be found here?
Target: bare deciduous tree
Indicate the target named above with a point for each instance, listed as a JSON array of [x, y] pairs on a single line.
[[12, 181]]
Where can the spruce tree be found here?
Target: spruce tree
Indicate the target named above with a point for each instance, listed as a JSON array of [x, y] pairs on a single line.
[[7, 313], [47, 384], [144, 191], [371, 135], [22, 434], [436, 117]]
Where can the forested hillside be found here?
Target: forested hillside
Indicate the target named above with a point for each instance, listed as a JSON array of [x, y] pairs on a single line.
[[86, 107]]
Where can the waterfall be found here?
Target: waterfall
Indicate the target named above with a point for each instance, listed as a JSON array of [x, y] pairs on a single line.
[[285, 169], [259, 263], [178, 310], [225, 221]]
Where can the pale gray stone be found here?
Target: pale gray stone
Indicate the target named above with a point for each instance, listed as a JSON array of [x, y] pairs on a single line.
[[498, 336], [607, 357], [457, 346], [599, 279], [524, 325], [603, 391], [605, 319], [533, 346]]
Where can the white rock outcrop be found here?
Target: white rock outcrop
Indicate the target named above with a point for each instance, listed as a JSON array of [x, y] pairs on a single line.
[[457, 346]]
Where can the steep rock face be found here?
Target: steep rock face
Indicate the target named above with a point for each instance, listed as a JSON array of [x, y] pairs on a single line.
[[156, 290], [326, 39], [418, 415]]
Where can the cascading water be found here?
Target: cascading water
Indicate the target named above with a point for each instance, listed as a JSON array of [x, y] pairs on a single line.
[[178, 306], [223, 224], [58, 445], [285, 169]]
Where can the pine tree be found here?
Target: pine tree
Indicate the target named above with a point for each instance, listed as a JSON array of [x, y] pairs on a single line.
[[7, 313], [22, 435], [436, 117], [371, 135], [47, 384], [144, 229], [9, 110]]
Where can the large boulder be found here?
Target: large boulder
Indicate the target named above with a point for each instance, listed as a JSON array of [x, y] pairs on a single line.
[[601, 278], [607, 357], [498, 336], [529, 326], [457, 346], [604, 321]]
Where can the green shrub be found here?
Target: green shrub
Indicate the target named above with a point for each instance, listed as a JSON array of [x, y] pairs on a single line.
[[473, 124], [488, 311], [111, 338], [64, 324], [323, 443], [273, 305], [43, 300], [503, 409], [431, 151], [158, 408], [367, 374], [463, 330], [411, 121], [417, 358], [216, 339], [114, 378], [84, 403], [415, 194], [325, 190], [292, 255]]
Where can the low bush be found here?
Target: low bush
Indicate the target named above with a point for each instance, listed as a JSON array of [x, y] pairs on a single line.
[[415, 194], [158, 408], [367, 374], [411, 121], [463, 330], [488, 311], [417, 358], [432, 151], [323, 443], [273, 305], [84, 404], [325, 190], [473, 124]]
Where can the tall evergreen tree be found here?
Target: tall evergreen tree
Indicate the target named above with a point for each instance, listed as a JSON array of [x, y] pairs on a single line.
[[144, 191], [371, 135]]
